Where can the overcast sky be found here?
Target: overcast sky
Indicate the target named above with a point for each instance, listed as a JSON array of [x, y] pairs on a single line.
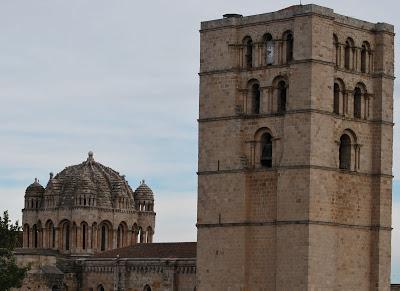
[[120, 78]]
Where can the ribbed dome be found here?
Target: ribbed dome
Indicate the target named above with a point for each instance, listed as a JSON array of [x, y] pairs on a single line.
[[143, 192], [89, 179], [34, 189]]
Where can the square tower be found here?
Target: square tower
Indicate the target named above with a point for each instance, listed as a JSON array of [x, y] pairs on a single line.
[[295, 152]]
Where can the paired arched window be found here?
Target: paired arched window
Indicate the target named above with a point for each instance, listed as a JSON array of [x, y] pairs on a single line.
[[288, 37], [345, 152], [266, 150], [282, 96], [336, 49], [357, 102], [336, 98], [248, 48], [269, 49], [256, 98], [365, 51], [100, 288], [348, 54], [146, 288]]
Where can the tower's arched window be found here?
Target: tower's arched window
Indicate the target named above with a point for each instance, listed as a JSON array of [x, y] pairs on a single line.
[[289, 47], [336, 98], [348, 54], [282, 96], [357, 102], [255, 94], [146, 288], [336, 49], [365, 51], [345, 152], [266, 150], [248, 48], [269, 49], [363, 59], [347, 50]]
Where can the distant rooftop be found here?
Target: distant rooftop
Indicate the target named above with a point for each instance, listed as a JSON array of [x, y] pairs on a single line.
[[179, 250]]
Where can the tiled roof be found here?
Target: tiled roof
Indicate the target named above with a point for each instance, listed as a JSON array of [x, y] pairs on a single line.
[[180, 250], [91, 179], [34, 189], [143, 192]]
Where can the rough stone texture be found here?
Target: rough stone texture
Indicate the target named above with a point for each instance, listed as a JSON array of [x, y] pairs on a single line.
[[161, 266], [132, 275], [303, 224]]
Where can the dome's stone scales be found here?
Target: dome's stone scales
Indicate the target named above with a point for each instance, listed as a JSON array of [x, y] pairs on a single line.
[[143, 192], [89, 179]]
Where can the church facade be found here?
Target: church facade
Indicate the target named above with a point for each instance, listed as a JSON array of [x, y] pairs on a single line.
[[88, 230], [294, 172]]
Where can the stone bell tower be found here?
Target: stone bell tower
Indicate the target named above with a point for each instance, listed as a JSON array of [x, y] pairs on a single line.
[[295, 152]]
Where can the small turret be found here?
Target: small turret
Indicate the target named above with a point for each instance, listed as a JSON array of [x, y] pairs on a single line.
[[34, 195], [144, 197]]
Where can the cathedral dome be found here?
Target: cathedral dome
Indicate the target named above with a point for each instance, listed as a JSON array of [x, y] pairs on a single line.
[[143, 192], [34, 189], [92, 182]]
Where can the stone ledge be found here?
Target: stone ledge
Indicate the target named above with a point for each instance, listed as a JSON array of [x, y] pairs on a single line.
[[291, 222]]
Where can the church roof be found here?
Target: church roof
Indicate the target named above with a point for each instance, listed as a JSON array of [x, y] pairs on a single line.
[[90, 179], [34, 189], [143, 192], [178, 250]]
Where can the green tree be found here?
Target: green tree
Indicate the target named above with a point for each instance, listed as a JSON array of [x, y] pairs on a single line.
[[10, 274]]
